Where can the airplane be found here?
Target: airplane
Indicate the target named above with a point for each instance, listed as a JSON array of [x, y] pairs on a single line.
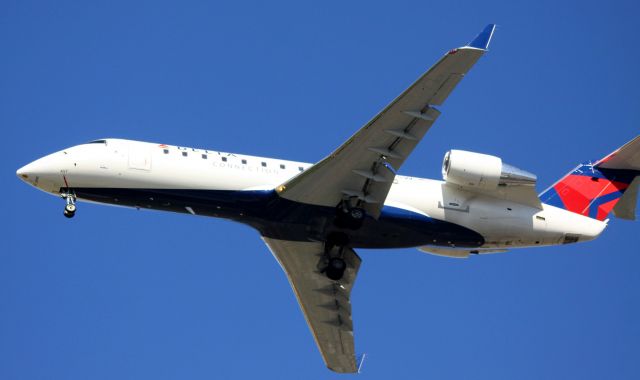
[[313, 217]]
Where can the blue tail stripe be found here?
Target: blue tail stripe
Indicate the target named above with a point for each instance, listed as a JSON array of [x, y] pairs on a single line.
[[593, 208], [551, 197]]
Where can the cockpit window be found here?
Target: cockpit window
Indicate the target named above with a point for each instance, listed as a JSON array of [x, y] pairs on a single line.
[[98, 142]]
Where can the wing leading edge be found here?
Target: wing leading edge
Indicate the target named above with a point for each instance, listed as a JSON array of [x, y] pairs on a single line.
[[362, 170]]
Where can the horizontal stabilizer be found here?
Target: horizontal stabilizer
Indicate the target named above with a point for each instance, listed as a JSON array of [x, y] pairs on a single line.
[[627, 157], [626, 207]]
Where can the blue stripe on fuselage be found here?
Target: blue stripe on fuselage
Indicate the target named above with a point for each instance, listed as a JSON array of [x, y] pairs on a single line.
[[280, 218]]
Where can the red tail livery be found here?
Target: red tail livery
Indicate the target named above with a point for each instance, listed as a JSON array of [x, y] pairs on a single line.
[[595, 189]]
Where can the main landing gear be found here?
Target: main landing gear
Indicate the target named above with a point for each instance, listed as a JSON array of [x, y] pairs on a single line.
[[70, 207], [349, 217], [333, 263], [335, 268]]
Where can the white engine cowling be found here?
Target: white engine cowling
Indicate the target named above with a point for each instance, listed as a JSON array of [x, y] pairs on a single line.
[[482, 171]]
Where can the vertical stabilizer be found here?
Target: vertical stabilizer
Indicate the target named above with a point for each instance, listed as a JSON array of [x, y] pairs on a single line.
[[596, 189]]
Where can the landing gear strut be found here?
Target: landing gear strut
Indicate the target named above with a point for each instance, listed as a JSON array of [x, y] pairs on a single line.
[[70, 207]]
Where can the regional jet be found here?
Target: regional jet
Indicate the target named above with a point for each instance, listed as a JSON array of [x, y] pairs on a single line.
[[313, 217]]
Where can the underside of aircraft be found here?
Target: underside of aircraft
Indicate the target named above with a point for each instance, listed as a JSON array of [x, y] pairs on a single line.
[[313, 217]]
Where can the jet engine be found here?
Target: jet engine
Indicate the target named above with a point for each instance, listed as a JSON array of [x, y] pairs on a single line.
[[482, 171]]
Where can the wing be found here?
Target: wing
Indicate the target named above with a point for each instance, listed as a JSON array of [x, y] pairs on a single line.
[[325, 303], [363, 168]]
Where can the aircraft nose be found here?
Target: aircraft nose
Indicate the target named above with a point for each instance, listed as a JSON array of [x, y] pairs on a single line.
[[44, 172], [23, 172]]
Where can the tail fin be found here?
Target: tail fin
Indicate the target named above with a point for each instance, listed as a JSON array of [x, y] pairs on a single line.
[[596, 189]]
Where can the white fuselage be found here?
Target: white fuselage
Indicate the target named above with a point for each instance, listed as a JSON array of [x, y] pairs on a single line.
[[125, 164]]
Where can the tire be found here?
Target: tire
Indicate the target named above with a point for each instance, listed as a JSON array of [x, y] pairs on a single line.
[[70, 208], [356, 214], [68, 214], [351, 219], [335, 268]]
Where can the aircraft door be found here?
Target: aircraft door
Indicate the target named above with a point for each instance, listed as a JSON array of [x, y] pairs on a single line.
[[139, 157]]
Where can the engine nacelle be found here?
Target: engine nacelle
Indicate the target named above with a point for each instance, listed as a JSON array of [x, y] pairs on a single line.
[[482, 171]]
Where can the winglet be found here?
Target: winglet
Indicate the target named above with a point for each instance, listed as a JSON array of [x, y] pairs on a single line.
[[482, 40]]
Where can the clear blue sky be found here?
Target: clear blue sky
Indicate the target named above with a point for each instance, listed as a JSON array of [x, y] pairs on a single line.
[[119, 293]]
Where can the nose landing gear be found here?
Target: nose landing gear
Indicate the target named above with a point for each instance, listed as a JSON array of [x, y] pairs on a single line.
[[70, 207]]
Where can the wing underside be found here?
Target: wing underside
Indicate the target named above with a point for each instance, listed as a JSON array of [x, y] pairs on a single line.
[[325, 303], [361, 171]]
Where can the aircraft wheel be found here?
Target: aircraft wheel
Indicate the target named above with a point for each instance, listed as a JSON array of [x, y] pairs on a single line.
[[351, 218], [357, 214], [335, 268], [70, 208], [68, 214]]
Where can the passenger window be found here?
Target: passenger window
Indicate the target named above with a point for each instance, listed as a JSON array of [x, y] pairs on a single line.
[[166, 151], [300, 168], [224, 159], [204, 156], [184, 154], [281, 166], [244, 162], [264, 164]]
